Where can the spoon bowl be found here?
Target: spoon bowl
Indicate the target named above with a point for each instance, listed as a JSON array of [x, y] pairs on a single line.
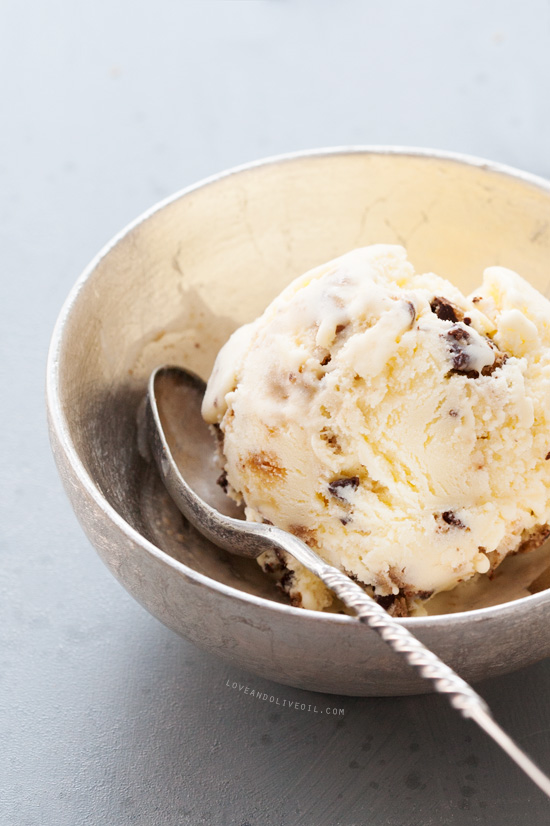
[[177, 395]]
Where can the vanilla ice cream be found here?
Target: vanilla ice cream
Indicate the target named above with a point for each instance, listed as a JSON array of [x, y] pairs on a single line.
[[399, 428]]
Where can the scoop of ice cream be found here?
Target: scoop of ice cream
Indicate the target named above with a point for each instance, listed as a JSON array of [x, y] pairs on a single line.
[[398, 427]]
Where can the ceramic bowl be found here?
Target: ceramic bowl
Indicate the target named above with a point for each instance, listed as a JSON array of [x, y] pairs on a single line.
[[170, 288]]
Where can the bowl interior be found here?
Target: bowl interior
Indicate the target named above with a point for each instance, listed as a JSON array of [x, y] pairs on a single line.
[[174, 287]]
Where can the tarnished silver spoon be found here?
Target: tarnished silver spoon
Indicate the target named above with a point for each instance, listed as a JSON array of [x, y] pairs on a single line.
[[175, 427]]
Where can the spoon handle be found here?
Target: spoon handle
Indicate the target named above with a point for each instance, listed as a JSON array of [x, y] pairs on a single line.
[[461, 695]]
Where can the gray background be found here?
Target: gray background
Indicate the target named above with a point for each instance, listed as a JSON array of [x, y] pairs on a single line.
[[106, 717]]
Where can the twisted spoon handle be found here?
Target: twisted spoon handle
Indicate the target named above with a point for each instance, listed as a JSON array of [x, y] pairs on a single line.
[[461, 695]]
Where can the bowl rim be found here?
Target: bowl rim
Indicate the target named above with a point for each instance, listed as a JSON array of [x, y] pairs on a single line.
[[59, 426]]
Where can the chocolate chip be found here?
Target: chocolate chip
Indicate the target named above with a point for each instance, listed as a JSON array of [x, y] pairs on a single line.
[[457, 333], [394, 604], [412, 310], [453, 413], [397, 604], [445, 310], [467, 320], [547, 456], [500, 359], [347, 482], [340, 328], [286, 580], [461, 362], [448, 520], [326, 360], [222, 481], [423, 594], [345, 520], [458, 338], [386, 601], [452, 519]]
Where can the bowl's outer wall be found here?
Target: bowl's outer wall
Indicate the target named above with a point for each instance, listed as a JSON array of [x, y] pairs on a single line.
[[174, 287]]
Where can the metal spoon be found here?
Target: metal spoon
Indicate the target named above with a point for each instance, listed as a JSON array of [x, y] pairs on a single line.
[[185, 434]]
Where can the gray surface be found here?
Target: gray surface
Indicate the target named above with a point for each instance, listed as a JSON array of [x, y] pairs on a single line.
[[106, 717]]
